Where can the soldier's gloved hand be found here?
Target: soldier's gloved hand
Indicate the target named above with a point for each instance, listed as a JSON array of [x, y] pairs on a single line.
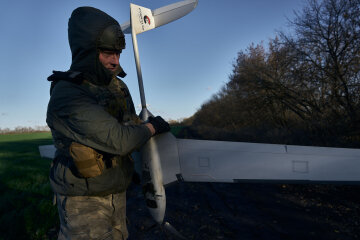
[[159, 124]]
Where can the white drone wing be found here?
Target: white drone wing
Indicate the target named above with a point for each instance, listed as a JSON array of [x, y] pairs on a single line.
[[47, 151], [220, 161]]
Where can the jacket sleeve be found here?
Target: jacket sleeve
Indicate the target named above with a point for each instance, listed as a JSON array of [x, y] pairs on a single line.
[[76, 115]]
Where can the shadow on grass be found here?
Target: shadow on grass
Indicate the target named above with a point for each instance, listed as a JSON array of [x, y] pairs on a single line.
[[26, 210]]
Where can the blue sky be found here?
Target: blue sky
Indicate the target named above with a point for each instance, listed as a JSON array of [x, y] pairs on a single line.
[[183, 63]]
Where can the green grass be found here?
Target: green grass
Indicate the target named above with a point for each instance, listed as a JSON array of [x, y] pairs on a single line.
[[26, 210]]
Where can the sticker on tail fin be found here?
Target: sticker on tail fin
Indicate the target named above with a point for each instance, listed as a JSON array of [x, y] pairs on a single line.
[[141, 18]]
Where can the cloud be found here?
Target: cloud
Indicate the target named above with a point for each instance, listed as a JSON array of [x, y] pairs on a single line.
[[4, 114]]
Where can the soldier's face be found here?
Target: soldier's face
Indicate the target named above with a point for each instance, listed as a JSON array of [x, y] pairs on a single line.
[[110, 59]]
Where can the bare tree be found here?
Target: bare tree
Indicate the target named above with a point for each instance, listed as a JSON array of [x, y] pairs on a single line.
[[306, 82], [327, 48]]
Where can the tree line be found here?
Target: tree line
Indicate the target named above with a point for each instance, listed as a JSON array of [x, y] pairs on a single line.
[[21, 129], [302, 88]]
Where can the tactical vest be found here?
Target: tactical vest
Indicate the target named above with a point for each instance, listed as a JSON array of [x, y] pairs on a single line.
[[116, 100]]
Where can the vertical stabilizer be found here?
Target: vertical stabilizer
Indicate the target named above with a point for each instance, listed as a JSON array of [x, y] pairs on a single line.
[[142, 18]]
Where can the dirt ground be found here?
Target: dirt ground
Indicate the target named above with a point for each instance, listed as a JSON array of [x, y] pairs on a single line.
[[251, 211]]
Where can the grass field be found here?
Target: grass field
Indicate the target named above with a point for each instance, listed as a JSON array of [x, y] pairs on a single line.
[[26, 210]]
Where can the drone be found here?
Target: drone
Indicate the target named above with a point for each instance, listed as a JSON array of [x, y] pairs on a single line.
[[166, 159]]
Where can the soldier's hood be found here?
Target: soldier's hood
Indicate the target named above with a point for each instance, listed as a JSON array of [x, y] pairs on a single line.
[[89, 30]]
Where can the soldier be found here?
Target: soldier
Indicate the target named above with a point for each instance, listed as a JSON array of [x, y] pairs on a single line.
[[95, 128]]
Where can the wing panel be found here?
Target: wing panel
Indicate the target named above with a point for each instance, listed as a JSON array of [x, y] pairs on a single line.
[[169, 157], [47, 151], [219, 161]]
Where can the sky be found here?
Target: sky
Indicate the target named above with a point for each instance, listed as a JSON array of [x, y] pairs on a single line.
[[183, 63]]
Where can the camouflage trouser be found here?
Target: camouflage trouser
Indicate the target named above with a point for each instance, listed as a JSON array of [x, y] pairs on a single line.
[[90, 217]]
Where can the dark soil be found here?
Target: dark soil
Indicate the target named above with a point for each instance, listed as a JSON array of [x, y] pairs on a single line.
[[251, 211]]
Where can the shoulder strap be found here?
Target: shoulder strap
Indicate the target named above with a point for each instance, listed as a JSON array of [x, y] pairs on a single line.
[[70, 76]]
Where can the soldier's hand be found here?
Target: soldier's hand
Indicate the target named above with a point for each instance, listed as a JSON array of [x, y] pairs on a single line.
[[159, 124]]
